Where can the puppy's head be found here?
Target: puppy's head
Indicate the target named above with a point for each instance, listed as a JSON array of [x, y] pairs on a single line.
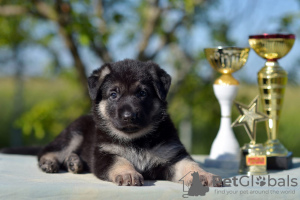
[[129, 97]]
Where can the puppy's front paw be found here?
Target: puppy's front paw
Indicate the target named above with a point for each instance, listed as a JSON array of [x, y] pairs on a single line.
[[74, 164], [189, 171], [129, 178], [211, 180], [49, 165], [205, 178]]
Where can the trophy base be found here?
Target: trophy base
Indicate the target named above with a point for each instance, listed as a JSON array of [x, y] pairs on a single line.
[[244, 151], [280, 162], [275, 148], [256, 173]]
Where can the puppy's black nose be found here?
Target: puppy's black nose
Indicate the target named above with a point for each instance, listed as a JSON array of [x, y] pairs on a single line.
[[128, 116]]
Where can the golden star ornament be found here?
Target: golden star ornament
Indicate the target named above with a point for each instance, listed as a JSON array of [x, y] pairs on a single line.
[[249, 117]]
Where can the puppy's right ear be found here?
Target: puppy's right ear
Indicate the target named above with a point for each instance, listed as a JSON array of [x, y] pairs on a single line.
[[96, 80]]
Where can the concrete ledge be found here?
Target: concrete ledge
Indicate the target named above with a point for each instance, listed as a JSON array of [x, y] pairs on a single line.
[[20, 178]]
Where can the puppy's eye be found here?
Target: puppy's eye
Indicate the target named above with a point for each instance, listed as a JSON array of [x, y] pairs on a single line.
[[113, 95], [142, 93]]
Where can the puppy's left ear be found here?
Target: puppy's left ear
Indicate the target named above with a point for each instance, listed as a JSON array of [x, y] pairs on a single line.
[[161, 80], [96, 79]]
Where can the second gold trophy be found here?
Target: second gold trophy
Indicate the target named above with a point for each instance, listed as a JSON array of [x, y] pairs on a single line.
[[272, 79]]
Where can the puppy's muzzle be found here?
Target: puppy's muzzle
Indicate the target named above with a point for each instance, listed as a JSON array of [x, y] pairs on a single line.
[[128, 116]]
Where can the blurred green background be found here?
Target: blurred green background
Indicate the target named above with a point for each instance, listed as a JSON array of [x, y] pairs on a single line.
[[48, 48]]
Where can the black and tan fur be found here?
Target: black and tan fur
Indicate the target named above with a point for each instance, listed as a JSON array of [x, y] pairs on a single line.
[[129, 136]]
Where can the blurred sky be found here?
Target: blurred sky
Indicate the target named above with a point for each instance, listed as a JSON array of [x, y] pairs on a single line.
[[256, 17], [249, 17]]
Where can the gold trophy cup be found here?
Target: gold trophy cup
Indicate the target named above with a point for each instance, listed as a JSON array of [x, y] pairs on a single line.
[[272, 80], [227, 60]]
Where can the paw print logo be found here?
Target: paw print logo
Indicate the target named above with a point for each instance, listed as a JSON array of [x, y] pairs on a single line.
[[261, 181]]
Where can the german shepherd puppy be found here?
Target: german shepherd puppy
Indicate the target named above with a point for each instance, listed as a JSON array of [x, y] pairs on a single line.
[[129, 136]]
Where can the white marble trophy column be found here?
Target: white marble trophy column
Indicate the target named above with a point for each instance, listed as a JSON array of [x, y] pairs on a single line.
[[225, 145]]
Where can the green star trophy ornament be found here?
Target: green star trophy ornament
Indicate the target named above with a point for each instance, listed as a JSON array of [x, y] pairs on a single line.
[[253, 156]]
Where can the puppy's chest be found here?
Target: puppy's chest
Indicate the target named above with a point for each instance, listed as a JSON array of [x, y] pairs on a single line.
[[144, 159]]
